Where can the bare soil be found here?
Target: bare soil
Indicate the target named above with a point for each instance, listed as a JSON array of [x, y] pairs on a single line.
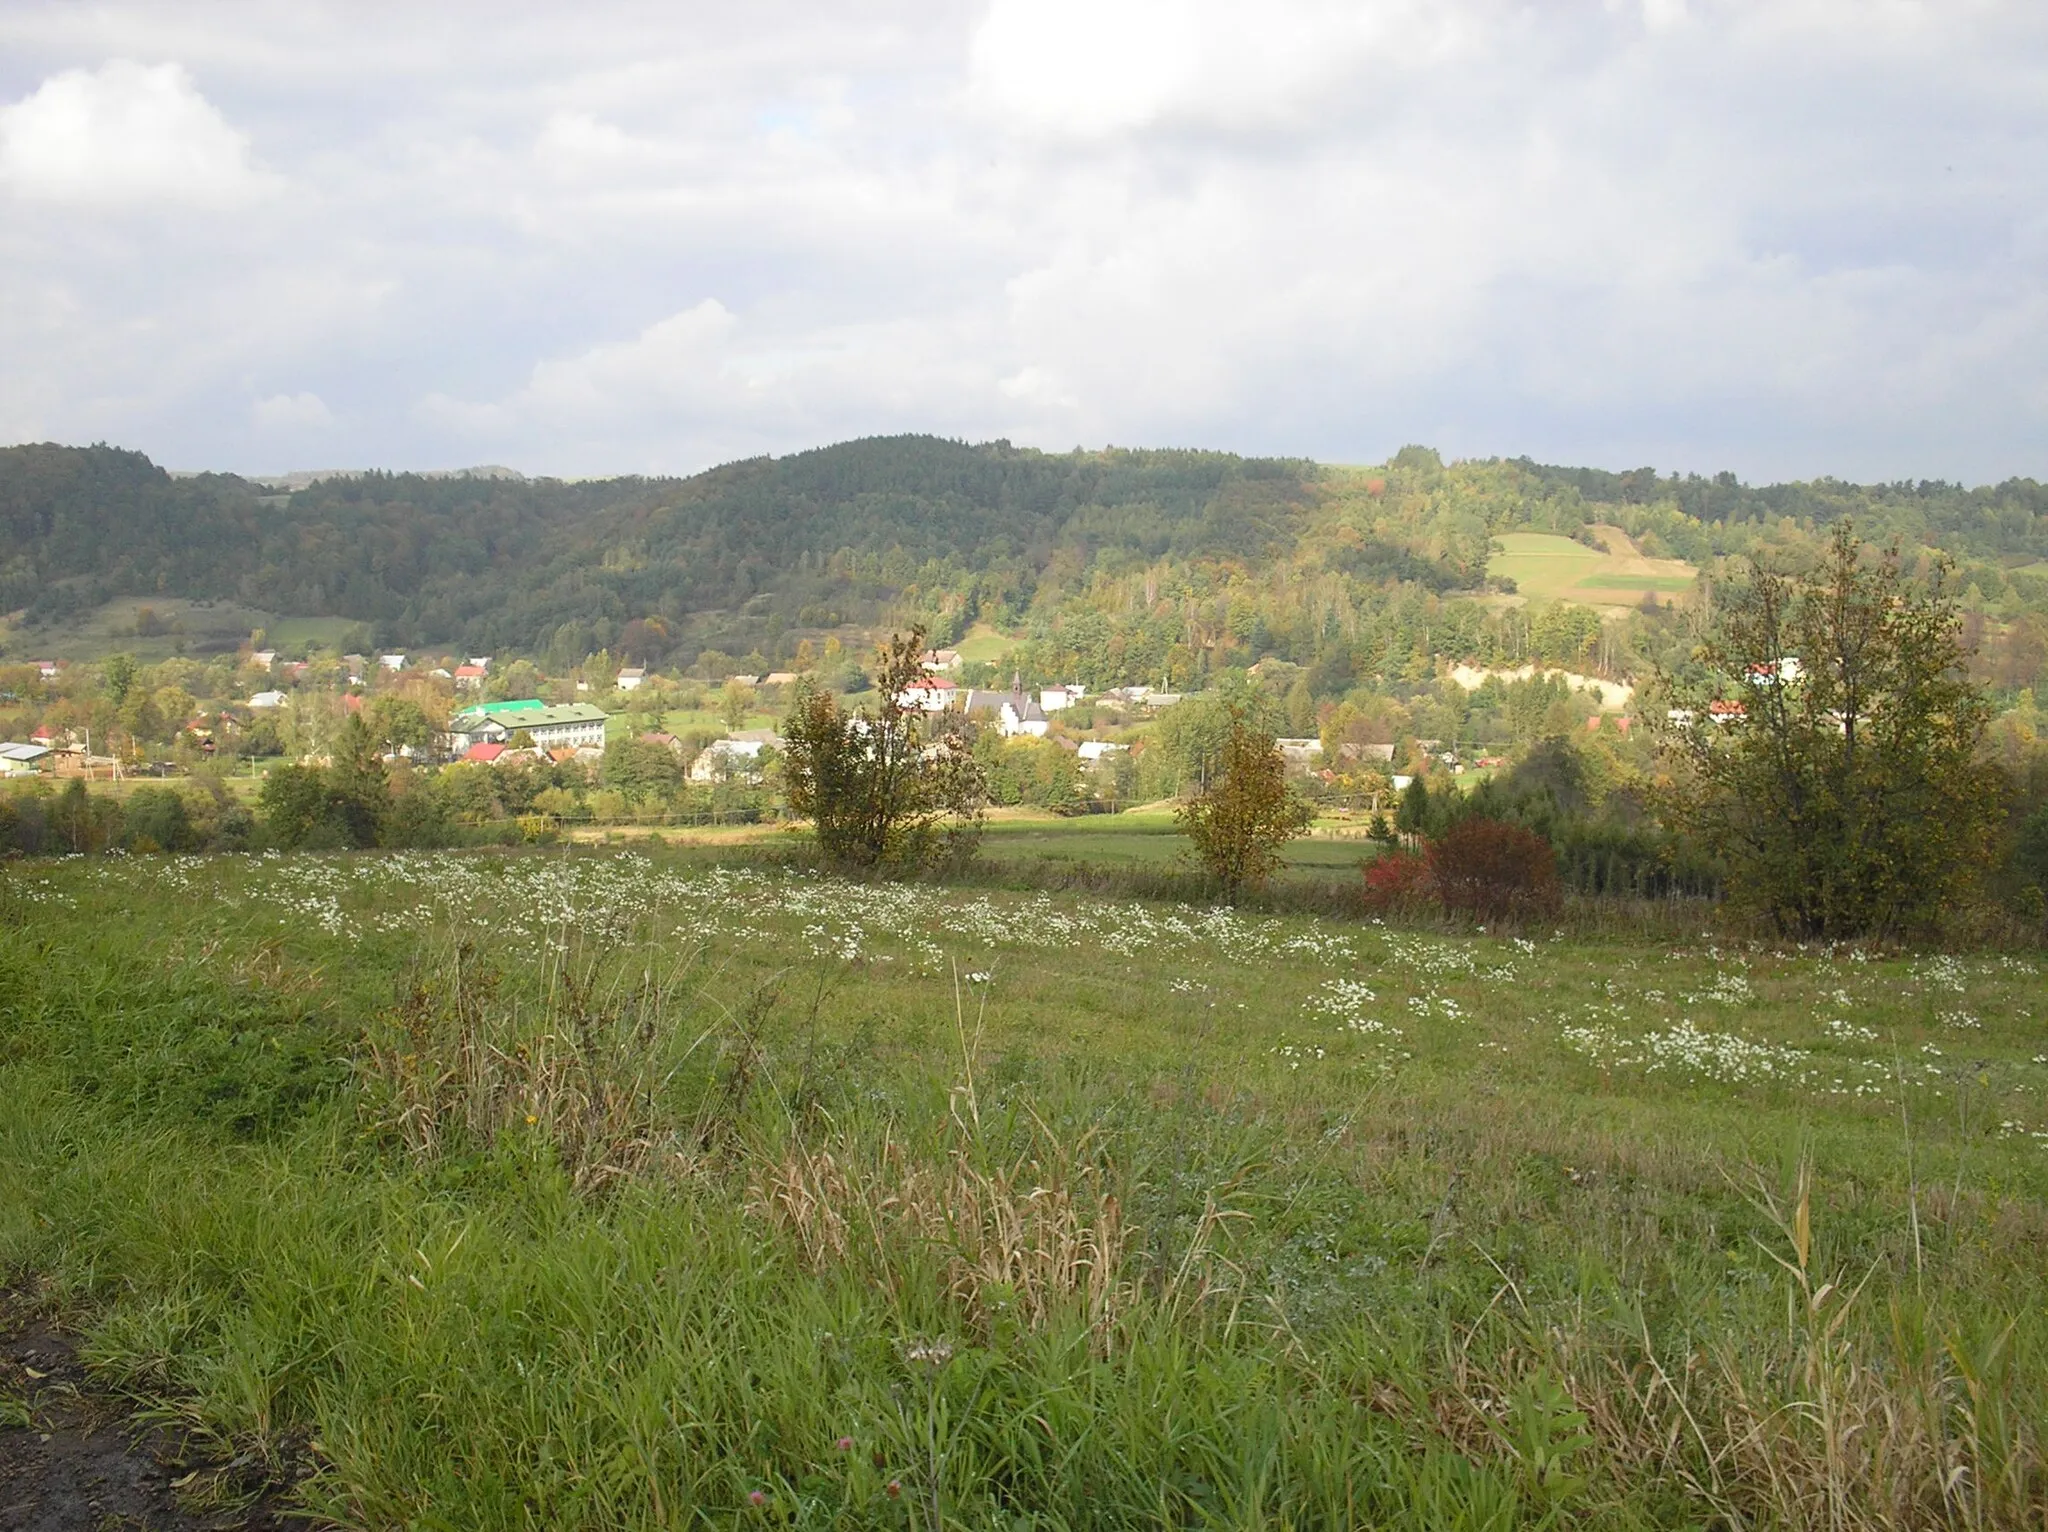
[[86, 1463]]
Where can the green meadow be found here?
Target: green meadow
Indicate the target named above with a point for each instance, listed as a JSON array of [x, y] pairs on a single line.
[[181, 626], [1553, 568], [606, 1189]]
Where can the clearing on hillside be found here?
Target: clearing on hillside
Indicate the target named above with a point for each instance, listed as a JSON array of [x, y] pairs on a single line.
[[1617, 574], [156, 627], [985, 643]]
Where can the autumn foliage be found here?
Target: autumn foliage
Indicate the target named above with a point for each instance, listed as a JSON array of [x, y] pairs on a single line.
[[1492, 869], [1480, 867]]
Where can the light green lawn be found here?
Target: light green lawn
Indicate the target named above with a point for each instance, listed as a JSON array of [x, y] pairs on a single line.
[[208, 628], [1548, 567], [985, 643]]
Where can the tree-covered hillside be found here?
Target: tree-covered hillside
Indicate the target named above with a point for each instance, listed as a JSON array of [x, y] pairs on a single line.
[[1114, 566]]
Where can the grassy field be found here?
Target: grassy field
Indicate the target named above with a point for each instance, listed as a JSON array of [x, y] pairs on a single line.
[[1554, 568], [985, 643], [1141, 839], [595, 1190], [209, 627]]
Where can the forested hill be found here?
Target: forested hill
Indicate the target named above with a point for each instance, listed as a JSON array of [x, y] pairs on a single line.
[[1093, 545]]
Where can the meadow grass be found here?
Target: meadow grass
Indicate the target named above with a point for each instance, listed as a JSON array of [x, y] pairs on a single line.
[[206, 627], [598, 1189], [1103, 841], [1550, 567]]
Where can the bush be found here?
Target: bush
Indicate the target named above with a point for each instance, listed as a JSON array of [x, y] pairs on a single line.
[[1395, 877], [156, 820], [1491, 870]]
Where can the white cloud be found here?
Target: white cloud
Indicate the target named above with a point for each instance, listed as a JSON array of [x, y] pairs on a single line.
[[292, 412], [123, 134], [1783, 236], [1089, 67]]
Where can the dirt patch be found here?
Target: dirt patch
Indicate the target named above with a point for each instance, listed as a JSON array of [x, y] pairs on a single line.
[[1615, 540], [74, 1458]]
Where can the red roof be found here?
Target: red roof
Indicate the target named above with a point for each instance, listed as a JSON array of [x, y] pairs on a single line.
[[467, 671], [484, 752], [351, 703]]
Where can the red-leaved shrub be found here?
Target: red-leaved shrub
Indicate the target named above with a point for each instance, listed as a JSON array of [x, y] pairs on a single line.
[[1490, 869], [1395, 877]]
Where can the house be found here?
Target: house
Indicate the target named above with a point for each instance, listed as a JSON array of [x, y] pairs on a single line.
[[264, 657], [470, 677], [1099, 749], [934, 694], [19, 759], [631, 679], [1056, 698], [1016, 712], [1726, 712], [779, 678], [1777, 672], [391, 661], [269, 699], [1351, 750], [481, 661], [941, 659], [47, 669], [1299, 752], [567, 726], [737, 757], [666, 741], [354, 665], [43, 735], [291, 670], [487, 754]]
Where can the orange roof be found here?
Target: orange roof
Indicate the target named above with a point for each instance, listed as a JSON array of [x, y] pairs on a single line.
[[484, 752]]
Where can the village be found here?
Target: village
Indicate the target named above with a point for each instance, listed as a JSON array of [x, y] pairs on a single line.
[[502, 744]]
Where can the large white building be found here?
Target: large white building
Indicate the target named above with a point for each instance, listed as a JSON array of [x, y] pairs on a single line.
[[566, 726]]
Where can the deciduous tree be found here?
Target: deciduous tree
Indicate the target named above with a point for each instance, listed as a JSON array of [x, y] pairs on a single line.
[[1247, 813], [1830, 755], [886, 785]]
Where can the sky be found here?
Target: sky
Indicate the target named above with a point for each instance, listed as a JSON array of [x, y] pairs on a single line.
[[1788, 238]]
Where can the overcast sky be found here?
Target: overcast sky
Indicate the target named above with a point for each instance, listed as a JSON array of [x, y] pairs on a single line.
[[1791, 238]]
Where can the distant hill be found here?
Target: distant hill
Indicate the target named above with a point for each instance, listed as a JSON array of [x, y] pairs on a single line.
[[1123, 564]]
